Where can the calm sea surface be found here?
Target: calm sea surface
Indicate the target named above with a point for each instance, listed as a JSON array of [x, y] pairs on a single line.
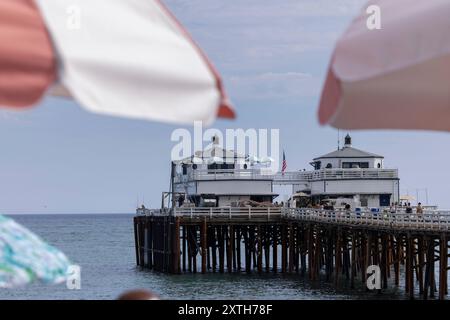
[[103, 245]]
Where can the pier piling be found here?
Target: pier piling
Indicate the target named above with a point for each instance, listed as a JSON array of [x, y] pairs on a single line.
[[334, 252]]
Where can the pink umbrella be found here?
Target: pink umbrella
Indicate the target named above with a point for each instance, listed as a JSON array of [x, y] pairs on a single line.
[[397, 77], [125, 58]]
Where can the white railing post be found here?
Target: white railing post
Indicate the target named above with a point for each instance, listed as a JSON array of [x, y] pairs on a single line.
[[210, 212]]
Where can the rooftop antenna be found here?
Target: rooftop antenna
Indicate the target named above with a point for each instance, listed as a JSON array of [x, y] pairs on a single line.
[[338, 139]]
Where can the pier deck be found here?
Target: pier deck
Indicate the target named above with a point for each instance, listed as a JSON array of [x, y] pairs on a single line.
[[337, 245]]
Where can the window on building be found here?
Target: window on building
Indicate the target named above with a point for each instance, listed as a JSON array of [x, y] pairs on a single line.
[[364, 201], [221, 166], [379, 165], [354, 165], [317, 165], [385, 200], [329, 166]]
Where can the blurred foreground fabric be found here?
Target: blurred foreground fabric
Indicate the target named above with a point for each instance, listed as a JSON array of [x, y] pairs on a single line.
[[123, 58], [25, 258], [397, 77]]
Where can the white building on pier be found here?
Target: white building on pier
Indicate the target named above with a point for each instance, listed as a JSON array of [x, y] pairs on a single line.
[[221, 178], [348, 175]]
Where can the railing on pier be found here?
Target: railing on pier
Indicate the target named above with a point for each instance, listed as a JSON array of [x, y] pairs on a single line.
[[333, 174], [224, 174], [216, 212], [259, 174], [230, 212], [429, 220]]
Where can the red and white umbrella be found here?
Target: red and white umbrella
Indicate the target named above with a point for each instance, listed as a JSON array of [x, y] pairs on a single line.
[[397, 77], [126, 58]]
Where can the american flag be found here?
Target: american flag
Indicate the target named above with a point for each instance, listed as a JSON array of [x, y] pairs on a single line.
[[284, 164]]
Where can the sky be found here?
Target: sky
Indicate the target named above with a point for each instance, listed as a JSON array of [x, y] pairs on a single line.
[[58, 158]]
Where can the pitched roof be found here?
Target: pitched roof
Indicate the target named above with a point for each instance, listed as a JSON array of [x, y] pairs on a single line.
[[349, 152], [217, 152], [211, 153]]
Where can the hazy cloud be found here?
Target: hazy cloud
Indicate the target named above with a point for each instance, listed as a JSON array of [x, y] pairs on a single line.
[[275, 85], [262, 47]]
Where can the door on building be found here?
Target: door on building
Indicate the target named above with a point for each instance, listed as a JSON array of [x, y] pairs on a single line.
[[385, 200]]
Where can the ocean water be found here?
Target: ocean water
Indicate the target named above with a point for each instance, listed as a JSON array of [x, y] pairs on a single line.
[[103, 245]]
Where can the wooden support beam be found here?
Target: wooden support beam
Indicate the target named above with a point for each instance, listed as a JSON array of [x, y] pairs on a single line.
[[311, 252], [203, 240], [298, 243], [284, 248], [238, 248], [194, 248], [136, 237], [247, 254], [142, 243], [291, 247], [259, 249], [353, 262], [420, 262], [303, 246], [184, 247], [275, 248], [398, 258], [409, 265], [252, 237], [443, 263], [384, 265], [175, 247], [150, 242], [214, 239], [267, 247], [227, 230], [233, 247], [432, 281], [338, 255], [220, 237], [317, 254]]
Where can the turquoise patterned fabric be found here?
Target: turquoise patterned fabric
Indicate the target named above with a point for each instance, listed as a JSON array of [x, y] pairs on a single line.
[[24, 257]]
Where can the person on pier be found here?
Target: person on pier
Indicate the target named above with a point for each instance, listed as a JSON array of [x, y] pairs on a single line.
[[419, 209]]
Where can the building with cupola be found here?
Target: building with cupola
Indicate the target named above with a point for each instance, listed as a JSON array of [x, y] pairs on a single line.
[[349, 176]]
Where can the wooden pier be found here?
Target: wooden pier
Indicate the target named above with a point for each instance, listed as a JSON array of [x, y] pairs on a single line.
[[335, 245]]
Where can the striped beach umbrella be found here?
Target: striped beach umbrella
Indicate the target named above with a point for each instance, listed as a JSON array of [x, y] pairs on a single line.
[[395, 77], [124, 58], [24, 257]]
